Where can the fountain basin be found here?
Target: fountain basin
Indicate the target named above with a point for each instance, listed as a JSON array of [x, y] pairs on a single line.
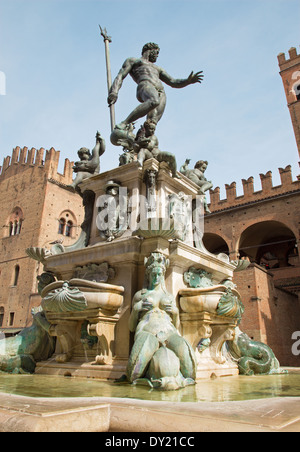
[[80, 294], [203, 299]]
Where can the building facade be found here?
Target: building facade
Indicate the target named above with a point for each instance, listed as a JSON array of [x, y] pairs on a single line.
[[264, 227], [37, 208]]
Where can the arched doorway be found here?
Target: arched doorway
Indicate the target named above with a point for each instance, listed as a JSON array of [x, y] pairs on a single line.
[[270, 244]]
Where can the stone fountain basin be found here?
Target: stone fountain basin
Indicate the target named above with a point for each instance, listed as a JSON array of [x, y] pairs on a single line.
[[202, 299], [97, 294]]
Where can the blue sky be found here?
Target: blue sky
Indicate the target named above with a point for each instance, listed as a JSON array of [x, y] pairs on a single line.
[[237, 119]]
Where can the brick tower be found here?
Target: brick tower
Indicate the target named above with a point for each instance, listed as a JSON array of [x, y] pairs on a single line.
[[290, 74], [36, 209]]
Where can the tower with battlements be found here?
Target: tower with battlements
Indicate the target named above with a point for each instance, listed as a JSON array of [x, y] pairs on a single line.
[[37, 208], [290, 74]]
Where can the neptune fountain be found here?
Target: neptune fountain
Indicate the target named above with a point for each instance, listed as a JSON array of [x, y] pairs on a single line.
[[105, 315], [137, 307]]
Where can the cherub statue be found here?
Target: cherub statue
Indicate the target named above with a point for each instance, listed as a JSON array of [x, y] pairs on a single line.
[[89, 163], [197, 175], [146, 146], [160, 356]]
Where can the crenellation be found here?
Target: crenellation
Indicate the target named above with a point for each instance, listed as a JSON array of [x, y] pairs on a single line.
[[23, 156], [286, 175], [51, 162], [52, 154], [283, 61], [39, 157], [281, 58], [293, 53], [15, 155], [248, 186], [266, 181], [31, 156], [215, 196], [249, 195], [6, 164], [48, 161], [68, 168], [231, 191]]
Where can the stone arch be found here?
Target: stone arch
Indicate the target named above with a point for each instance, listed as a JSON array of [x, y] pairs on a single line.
[[271, 244], [215, 244]]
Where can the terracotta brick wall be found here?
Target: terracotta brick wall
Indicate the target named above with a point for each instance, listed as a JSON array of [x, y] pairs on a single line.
[[29, 181]]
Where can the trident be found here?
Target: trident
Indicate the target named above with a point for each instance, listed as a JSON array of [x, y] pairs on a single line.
[[107, 40]]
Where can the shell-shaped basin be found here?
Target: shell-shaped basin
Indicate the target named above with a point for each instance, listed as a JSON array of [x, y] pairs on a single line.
[[80, 294], [202, 299]]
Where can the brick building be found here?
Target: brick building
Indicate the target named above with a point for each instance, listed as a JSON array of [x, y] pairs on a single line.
[[36, 209], [264, 226]]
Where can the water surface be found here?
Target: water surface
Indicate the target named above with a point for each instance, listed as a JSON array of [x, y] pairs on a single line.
[[221, 389]]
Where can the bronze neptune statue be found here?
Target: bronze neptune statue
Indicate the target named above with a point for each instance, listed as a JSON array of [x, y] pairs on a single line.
[[150, 90]]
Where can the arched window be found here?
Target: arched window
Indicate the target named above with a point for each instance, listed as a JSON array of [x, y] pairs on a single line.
[[67, 223], [16, 275], [15, 222]]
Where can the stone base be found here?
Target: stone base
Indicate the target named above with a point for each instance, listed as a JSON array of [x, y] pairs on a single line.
[[82, 369], [116, 370], [211, 370]]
